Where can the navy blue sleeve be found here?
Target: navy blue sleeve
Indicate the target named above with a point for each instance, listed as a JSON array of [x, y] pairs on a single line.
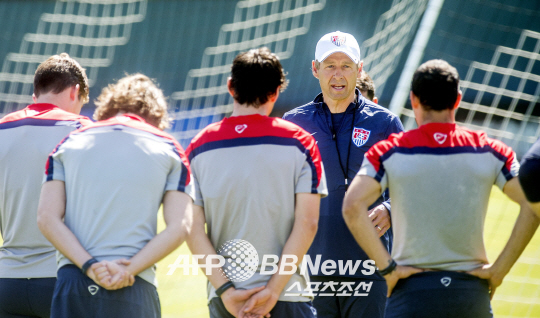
[[529, 173], [395, 127]]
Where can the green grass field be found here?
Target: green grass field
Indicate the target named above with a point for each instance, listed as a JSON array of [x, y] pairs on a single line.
[[184, 296]]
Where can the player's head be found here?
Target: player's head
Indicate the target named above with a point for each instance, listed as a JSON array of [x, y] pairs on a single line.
[[256, 76], [58, 73], [136, 94], [366, 86], [436, 85], [337, 65]]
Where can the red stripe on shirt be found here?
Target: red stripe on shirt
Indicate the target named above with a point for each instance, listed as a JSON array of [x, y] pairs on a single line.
[[258, 126]]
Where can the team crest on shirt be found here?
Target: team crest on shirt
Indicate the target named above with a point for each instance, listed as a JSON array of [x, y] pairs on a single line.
[[338, 40], [360, 136], [440, 137]]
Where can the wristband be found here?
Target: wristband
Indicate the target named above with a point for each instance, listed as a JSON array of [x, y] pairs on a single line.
[[87, 265], [390, 268], [223, 288]]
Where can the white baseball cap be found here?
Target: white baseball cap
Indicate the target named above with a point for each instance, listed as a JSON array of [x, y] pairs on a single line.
[[337, 42]]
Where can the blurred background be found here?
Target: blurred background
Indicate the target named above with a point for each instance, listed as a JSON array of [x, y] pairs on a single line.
[[187, 46]]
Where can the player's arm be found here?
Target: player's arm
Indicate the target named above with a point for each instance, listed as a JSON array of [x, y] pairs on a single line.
[[364, 190], [380, 216], [177, 213], [199, 244], [524, 228], [50, 215], [303, 232]]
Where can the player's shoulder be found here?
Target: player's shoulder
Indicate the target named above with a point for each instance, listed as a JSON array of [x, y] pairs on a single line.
[[480, 138], [17, 115], [370, 109], [45, 115], [288, 126], [301, 111]]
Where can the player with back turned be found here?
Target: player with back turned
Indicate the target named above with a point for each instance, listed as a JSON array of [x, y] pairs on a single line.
[[258, 179], [104, 185], [440, 177], [27, 259], [345, 125]]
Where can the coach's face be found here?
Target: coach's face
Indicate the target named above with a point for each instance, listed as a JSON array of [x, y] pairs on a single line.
[[337, 76]]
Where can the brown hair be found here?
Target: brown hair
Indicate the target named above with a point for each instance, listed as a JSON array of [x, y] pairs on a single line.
[[255, 76], [135, 94], [365, 84], [59, 72]]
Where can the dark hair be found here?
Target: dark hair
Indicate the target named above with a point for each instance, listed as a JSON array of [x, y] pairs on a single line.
[[255, 76], [436, 84], [365, 84], [59, 72]]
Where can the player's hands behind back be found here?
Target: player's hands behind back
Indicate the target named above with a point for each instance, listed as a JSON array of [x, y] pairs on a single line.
[[111, 275]]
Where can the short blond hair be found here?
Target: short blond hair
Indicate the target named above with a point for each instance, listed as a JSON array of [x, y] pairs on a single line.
[[136, 94]]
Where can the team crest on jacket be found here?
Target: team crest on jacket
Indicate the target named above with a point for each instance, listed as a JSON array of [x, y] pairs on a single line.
[[338, 40], [360, 136]]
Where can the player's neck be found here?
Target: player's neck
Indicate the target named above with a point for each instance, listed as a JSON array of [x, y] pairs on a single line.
[[246, 110], [338, 106], [443, 117], [60, 100]]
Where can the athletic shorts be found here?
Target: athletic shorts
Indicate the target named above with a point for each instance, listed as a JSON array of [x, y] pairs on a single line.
[[369, 304], [26, 297], [440, 294], [281, 309], [76, 295]]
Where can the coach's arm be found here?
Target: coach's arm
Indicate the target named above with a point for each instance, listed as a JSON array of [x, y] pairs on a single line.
[[50, 220], [524, 228], [364, 190], [306, 222]]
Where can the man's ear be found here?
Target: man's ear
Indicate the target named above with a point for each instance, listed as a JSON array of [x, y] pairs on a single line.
[[74, 92], [34, 98], [360, 67], [458, 100], [273, 98], [229, 87], [314, 70], [415, 102]]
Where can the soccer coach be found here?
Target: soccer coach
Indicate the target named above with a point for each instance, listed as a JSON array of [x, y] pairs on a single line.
[[345, 125], [440, 177]]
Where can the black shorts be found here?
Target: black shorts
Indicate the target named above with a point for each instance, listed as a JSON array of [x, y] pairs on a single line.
[[440, 294], [369, 304], [76, 295], [281, 309], [26, 297]]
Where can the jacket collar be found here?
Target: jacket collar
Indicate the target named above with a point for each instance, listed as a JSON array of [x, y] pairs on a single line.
[[358, 102]]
